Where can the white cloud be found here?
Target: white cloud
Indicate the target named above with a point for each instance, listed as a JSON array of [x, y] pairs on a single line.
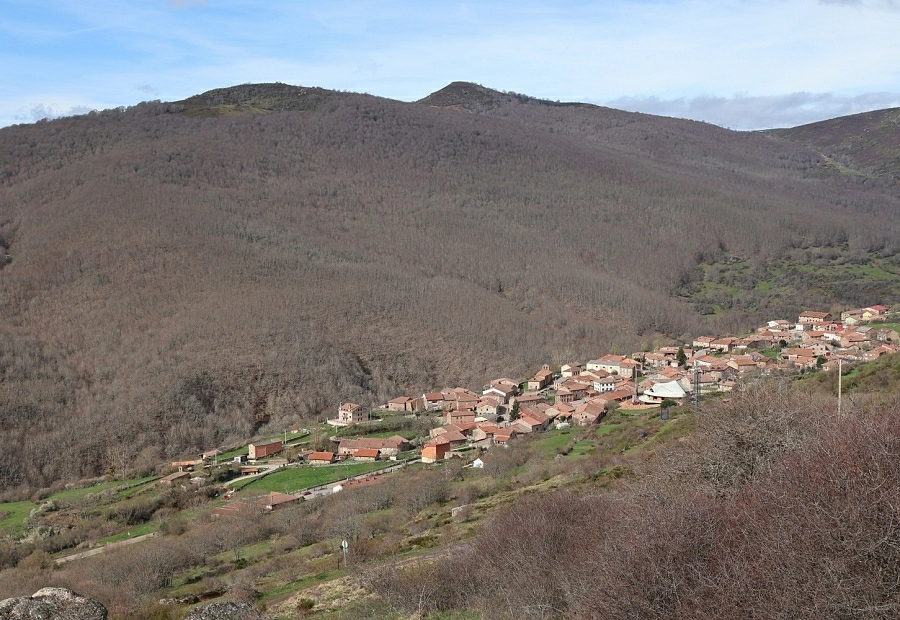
[[696, 52], [754, 112], [41, 112]]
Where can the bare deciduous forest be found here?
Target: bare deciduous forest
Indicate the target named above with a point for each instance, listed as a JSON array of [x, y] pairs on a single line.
[[178, 275]]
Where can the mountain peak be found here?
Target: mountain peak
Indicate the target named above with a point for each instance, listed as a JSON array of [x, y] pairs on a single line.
[[256, 99], [464, 95]]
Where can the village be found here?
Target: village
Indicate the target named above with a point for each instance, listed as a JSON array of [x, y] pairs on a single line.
[[466, 423]]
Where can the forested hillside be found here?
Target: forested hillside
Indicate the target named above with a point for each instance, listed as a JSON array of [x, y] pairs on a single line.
[[179, 274], [864, 145]]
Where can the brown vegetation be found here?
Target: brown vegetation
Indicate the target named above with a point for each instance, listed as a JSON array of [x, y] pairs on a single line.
[[864, 145], [182, 275], [777, 508], [207, 557]]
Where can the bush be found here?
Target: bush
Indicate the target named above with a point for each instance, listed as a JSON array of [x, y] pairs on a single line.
[[305, 606], [791, 513]]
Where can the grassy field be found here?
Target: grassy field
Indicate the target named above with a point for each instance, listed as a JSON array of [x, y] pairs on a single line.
[[553, 440], [582, 447], [830, 274], [774, 354], [894, 326], [604, 429], [227, 456], [295, 479], [132, 532], [870, 271], [137, 487], [13, 515]]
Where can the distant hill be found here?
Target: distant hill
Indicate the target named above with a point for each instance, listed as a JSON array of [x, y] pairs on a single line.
[[866, 144], [254, 99], [184, 273], [857, 157]]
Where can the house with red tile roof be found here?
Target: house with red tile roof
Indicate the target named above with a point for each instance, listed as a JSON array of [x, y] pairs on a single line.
[[321, 458], [589, 413], [874, 354], [811, 317], [792, 354], [461, 416], [276, 500], [702, 342], [260, 450], [454, 438], [723, 345], [504, 391], [505, 435], [388, 446], [435, 452], [571, 369], [401, 403], [366, 455], [486, 431], [351, 413], [434, 401], [541, 379]]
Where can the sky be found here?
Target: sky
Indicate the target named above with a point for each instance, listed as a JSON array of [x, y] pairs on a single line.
[[742, 64]]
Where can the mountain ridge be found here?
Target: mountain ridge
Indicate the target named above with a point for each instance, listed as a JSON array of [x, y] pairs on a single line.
[[186, 273]]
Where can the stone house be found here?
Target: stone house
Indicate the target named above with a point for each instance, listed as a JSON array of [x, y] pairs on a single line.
[[351, 413]]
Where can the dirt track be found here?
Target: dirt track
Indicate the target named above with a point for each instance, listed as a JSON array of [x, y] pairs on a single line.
[[99, 550]]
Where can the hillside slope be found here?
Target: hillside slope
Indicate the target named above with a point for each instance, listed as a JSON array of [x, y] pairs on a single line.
[[866, 144], [183, 273], [846, 165]]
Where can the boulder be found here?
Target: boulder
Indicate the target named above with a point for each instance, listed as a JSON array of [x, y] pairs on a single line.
[[52, 604], [226, 611]]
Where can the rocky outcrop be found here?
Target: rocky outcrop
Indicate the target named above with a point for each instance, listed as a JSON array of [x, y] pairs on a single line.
[[52, 604], [226, 611]]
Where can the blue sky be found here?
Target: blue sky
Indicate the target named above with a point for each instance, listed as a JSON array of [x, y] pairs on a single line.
[[745, 64]]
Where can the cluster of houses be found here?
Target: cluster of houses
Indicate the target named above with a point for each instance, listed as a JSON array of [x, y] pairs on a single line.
[[508, 410], [364, 449], [581, 394], [815, 340]]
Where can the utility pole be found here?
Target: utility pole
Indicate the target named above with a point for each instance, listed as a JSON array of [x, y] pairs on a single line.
[[839, 386], [696, 385]]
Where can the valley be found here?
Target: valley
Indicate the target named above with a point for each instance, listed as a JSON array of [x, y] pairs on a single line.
[[186, 278]]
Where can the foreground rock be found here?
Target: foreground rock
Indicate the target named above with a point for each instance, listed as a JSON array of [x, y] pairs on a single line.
[[226, 611], [52, 604]]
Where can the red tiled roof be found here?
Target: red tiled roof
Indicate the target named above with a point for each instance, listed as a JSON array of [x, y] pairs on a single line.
[[276, 499], [814, 314]]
